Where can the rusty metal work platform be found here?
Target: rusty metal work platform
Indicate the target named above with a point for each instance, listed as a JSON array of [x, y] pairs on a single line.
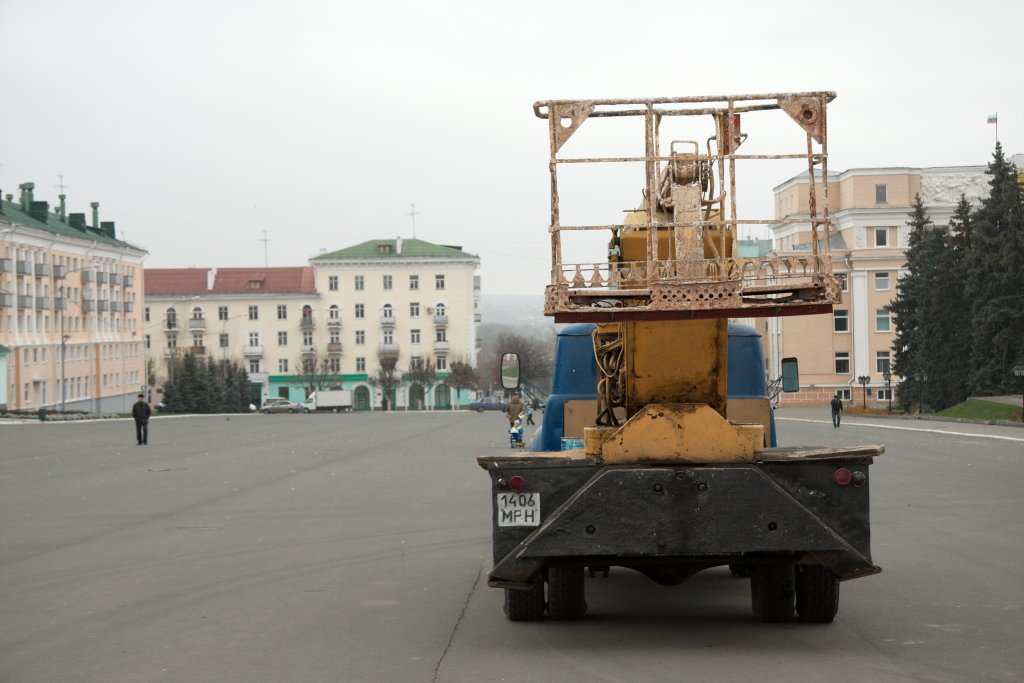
[[673, 257]]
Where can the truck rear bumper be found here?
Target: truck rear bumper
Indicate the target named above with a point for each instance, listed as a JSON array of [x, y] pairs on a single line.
[[703, 515]]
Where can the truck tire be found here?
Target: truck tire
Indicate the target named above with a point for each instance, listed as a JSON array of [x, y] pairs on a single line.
[[566, 593], [772, 592], [817, 594], [526, 605]]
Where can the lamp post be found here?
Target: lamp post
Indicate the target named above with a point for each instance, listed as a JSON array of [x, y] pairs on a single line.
[[921, 378], [64, 337], [863, 380], [887, 376], [1018, 371]]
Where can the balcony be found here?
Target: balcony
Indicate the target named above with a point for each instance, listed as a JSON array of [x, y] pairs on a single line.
[[440, 347], [101, 277], [129, 306], [253, 350], [171, 325], [60, 272], [334, 347], [86, 293], [388, 350], [441, 319], [25, 301], [197, 324], [6, 265], [115, 306], [88, 305], [87, 276], [42, 304], [115, 279], [306, 322], [102, 305], [308, 351], [334, 323], [128, 280], [23, 268], [42, 270], [197, 350], [387, 323], [6, 300], [60, 304]]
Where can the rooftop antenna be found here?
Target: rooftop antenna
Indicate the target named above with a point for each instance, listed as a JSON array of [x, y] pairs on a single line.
[[265, 240], [413, 213], [60, 183]]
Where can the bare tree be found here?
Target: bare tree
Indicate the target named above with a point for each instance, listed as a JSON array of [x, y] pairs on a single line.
[[388, 377], [461, 375], [422, 375], [536, 357], [312, 372]]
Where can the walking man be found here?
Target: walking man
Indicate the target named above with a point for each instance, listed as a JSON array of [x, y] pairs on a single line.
[[837, 411], [141, 412]]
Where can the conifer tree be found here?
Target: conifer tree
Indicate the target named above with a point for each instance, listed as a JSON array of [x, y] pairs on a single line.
[[958, 352]]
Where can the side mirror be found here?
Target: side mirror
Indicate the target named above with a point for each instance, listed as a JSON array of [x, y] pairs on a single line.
[[510, 370], [790, 375]]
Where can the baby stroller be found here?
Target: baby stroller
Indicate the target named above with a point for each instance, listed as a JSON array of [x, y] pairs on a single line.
[[515, 435]]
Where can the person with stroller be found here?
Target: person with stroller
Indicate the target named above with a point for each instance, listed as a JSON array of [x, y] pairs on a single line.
[[514, 409]]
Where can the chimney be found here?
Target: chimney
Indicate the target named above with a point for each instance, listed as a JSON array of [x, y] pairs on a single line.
[[26, 195], [77, 221], [108, 229], [40, 211], [398, 246], [63, 208], [95, 215]]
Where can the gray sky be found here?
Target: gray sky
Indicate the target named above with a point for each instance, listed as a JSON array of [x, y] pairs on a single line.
[[197, 125]]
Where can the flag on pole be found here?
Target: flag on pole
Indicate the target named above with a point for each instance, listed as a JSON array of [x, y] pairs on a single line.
[[993, 118]]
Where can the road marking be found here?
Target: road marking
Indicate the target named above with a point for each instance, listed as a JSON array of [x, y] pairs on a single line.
[[906, 429]]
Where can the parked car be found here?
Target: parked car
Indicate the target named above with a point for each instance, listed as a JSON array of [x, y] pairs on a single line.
[[487, 403], [280, 405]]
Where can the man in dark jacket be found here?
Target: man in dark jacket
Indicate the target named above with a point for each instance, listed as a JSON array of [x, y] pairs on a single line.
[[837, 411], [141, 412]]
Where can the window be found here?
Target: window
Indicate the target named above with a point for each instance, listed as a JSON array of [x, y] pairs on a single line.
[[360, 311], [414, 336], [282, 339], [414, 310], [439, 282], [282, 365], [442, 363], [334, 364], [254, 339], [441, 334], [387, 312], [333, 312], [840, 320], [881, 194], [222, 313], [388, 337], [334, 337], [145, 314], [881, 282], [387, 282], [414, 282], [360, 365], [883, 323], [844, 394], [842, 362], [172, 319], [383, 248], [307, 338], [146, 341], [360, 337], [881, 237], [844, 282], [359, 283], [884, 394], [881, 362], [282, 312], [332, 283], [223, 341], [254, 365], [172, 342], [254, 284], [254, 313], [416, 363], [197, 340]]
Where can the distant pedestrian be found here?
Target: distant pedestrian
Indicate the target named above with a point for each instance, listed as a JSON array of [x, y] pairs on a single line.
[[837, 411], [140, 413], [514, 408], [529, 413]]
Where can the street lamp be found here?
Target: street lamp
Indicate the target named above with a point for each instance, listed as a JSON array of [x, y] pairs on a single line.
[[887, 376], [64, 337], [863, 380], [1018, 371], [920, 378]]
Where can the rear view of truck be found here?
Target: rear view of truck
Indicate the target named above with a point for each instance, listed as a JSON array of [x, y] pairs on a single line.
[[679, 470]]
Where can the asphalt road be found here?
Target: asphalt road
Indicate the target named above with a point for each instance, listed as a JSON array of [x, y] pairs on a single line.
[[354, 548]]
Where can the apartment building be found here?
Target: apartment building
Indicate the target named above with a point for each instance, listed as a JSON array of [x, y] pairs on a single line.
[[409, 300], [68, 308], [869, 207]]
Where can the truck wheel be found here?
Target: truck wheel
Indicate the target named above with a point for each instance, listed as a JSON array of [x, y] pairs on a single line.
[[772, 592], [566, 593], [817, 594], [526, 605]]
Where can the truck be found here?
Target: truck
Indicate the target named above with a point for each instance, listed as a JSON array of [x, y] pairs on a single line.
[[334, 400], [659, 451]]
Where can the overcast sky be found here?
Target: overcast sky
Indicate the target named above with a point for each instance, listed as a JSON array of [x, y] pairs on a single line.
[[199, 124]]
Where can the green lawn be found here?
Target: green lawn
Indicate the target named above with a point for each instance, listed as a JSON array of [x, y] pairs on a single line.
[[981, 410]]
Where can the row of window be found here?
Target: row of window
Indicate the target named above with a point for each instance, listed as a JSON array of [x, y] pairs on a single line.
[[841, 320], [882, 362], [387, 282], [334, 364], [387, 337], [333, 313], [41, 323], [880, 394]]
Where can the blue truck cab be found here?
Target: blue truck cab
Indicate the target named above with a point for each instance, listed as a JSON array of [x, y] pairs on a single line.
[[575, 383]]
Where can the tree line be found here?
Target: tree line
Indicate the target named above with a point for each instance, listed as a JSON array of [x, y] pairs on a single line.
[[959, 310], [206, 386]]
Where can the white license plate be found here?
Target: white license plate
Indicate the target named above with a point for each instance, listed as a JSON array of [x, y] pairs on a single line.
[[518, 509]]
